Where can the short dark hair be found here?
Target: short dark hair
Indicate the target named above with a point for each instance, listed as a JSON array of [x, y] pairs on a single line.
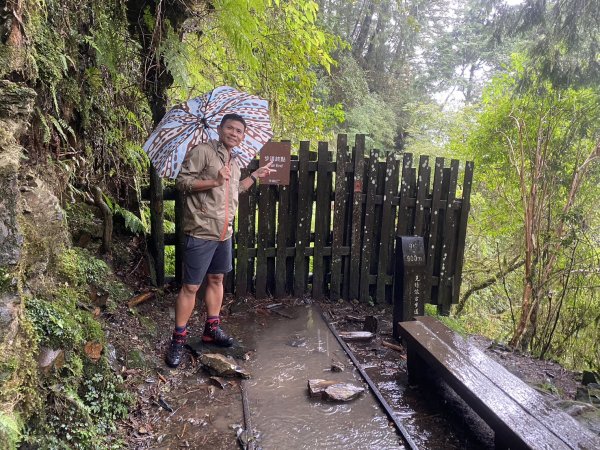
[[233, 116]]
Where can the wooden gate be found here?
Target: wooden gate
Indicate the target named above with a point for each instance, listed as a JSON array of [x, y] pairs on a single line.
[[331, 232]]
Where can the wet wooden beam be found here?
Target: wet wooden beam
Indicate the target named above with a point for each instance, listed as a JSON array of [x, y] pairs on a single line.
[[519, 415]]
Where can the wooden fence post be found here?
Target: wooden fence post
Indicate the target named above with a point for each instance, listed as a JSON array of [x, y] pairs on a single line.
[[283, 231], [179, 237], [322, 214], [385, 266], [339, 217], [448, 247], [462, 228], [368, 232], [157, 225], [357, 212], [304, 221]]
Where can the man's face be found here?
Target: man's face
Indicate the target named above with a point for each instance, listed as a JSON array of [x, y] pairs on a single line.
[[231, 133]]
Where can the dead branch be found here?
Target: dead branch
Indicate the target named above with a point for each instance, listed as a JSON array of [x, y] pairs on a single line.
[[141, 298], [514, 265]]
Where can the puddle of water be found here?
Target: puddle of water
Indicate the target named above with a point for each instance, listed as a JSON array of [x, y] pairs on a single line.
[[431, 412], [289, 352]]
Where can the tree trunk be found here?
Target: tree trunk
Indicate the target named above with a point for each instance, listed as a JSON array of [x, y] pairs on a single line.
[[358, 46]]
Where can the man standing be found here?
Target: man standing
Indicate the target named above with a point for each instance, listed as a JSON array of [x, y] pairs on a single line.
[[210, 182]]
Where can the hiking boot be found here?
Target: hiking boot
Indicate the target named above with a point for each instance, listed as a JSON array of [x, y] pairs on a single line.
[[214, 334], [175, 351]]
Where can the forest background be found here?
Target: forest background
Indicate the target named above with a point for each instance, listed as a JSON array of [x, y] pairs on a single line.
[[512, 85]]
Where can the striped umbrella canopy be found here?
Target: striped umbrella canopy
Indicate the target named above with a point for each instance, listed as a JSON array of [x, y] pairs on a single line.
[[195, 121]]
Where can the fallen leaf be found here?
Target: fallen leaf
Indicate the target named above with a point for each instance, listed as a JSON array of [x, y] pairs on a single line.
[[93, 350]]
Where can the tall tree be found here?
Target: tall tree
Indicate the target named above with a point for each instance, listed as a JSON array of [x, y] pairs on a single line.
[[542, 143]]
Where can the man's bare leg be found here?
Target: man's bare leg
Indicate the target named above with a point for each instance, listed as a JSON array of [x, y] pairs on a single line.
[[185, 303], [214, 294]]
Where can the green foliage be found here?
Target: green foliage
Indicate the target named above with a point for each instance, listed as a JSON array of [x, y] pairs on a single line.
[[169, 210], [10, 431], [82, 217], [132, 222], [273, 49], [562, 41], [170, 260], [450, 322], [90, 106], [82, 399], [80, 269], [59, 324], [528, 142], [373, 118], [82, 411], [78, 266]]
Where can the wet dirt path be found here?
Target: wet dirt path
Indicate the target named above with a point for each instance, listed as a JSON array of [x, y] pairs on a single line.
[[184, 408], [289, 352]]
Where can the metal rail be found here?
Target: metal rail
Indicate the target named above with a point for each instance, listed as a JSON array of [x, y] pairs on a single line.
[[247, 423], [384, 404]]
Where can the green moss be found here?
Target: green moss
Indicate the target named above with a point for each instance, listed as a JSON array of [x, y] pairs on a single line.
[[149, 325], [54, 324], [83, 398], [83, 218], [81, 412], [10, 431], [550, 388], [117, 293], [80, 268], [4, 59], [5, 279], [19, 376]]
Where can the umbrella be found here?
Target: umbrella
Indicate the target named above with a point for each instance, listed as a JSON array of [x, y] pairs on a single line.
[[195, 121]]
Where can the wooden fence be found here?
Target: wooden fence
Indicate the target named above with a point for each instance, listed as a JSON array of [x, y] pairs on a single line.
[[331, 232]]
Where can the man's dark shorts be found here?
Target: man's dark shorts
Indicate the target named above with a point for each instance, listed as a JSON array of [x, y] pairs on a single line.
[[203, 256]]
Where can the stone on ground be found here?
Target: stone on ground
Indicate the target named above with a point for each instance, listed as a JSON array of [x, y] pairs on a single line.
[[371, 324], [317, 386], [198, 347], [337, 366], [343, 392], [50, 358], [356, 335], [222, 366]]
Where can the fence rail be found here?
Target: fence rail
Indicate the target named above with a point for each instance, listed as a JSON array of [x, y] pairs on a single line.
[[330, 232]]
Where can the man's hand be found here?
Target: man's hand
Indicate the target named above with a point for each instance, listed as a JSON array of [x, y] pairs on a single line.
[[263, 171], [224, 175]]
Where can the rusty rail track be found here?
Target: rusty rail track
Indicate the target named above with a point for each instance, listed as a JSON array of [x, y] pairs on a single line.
[[402, 431]]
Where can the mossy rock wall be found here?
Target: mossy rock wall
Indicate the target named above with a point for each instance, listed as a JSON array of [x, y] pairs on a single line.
[[17, 105], [72, 114]]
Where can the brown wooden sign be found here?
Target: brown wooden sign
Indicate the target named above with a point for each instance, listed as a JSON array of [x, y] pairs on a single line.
[[279, 154]]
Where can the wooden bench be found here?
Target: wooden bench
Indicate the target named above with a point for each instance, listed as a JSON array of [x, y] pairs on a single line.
[[520, 417]]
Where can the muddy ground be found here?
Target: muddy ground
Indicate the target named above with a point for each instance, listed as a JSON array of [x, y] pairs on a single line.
[[185, 408]]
